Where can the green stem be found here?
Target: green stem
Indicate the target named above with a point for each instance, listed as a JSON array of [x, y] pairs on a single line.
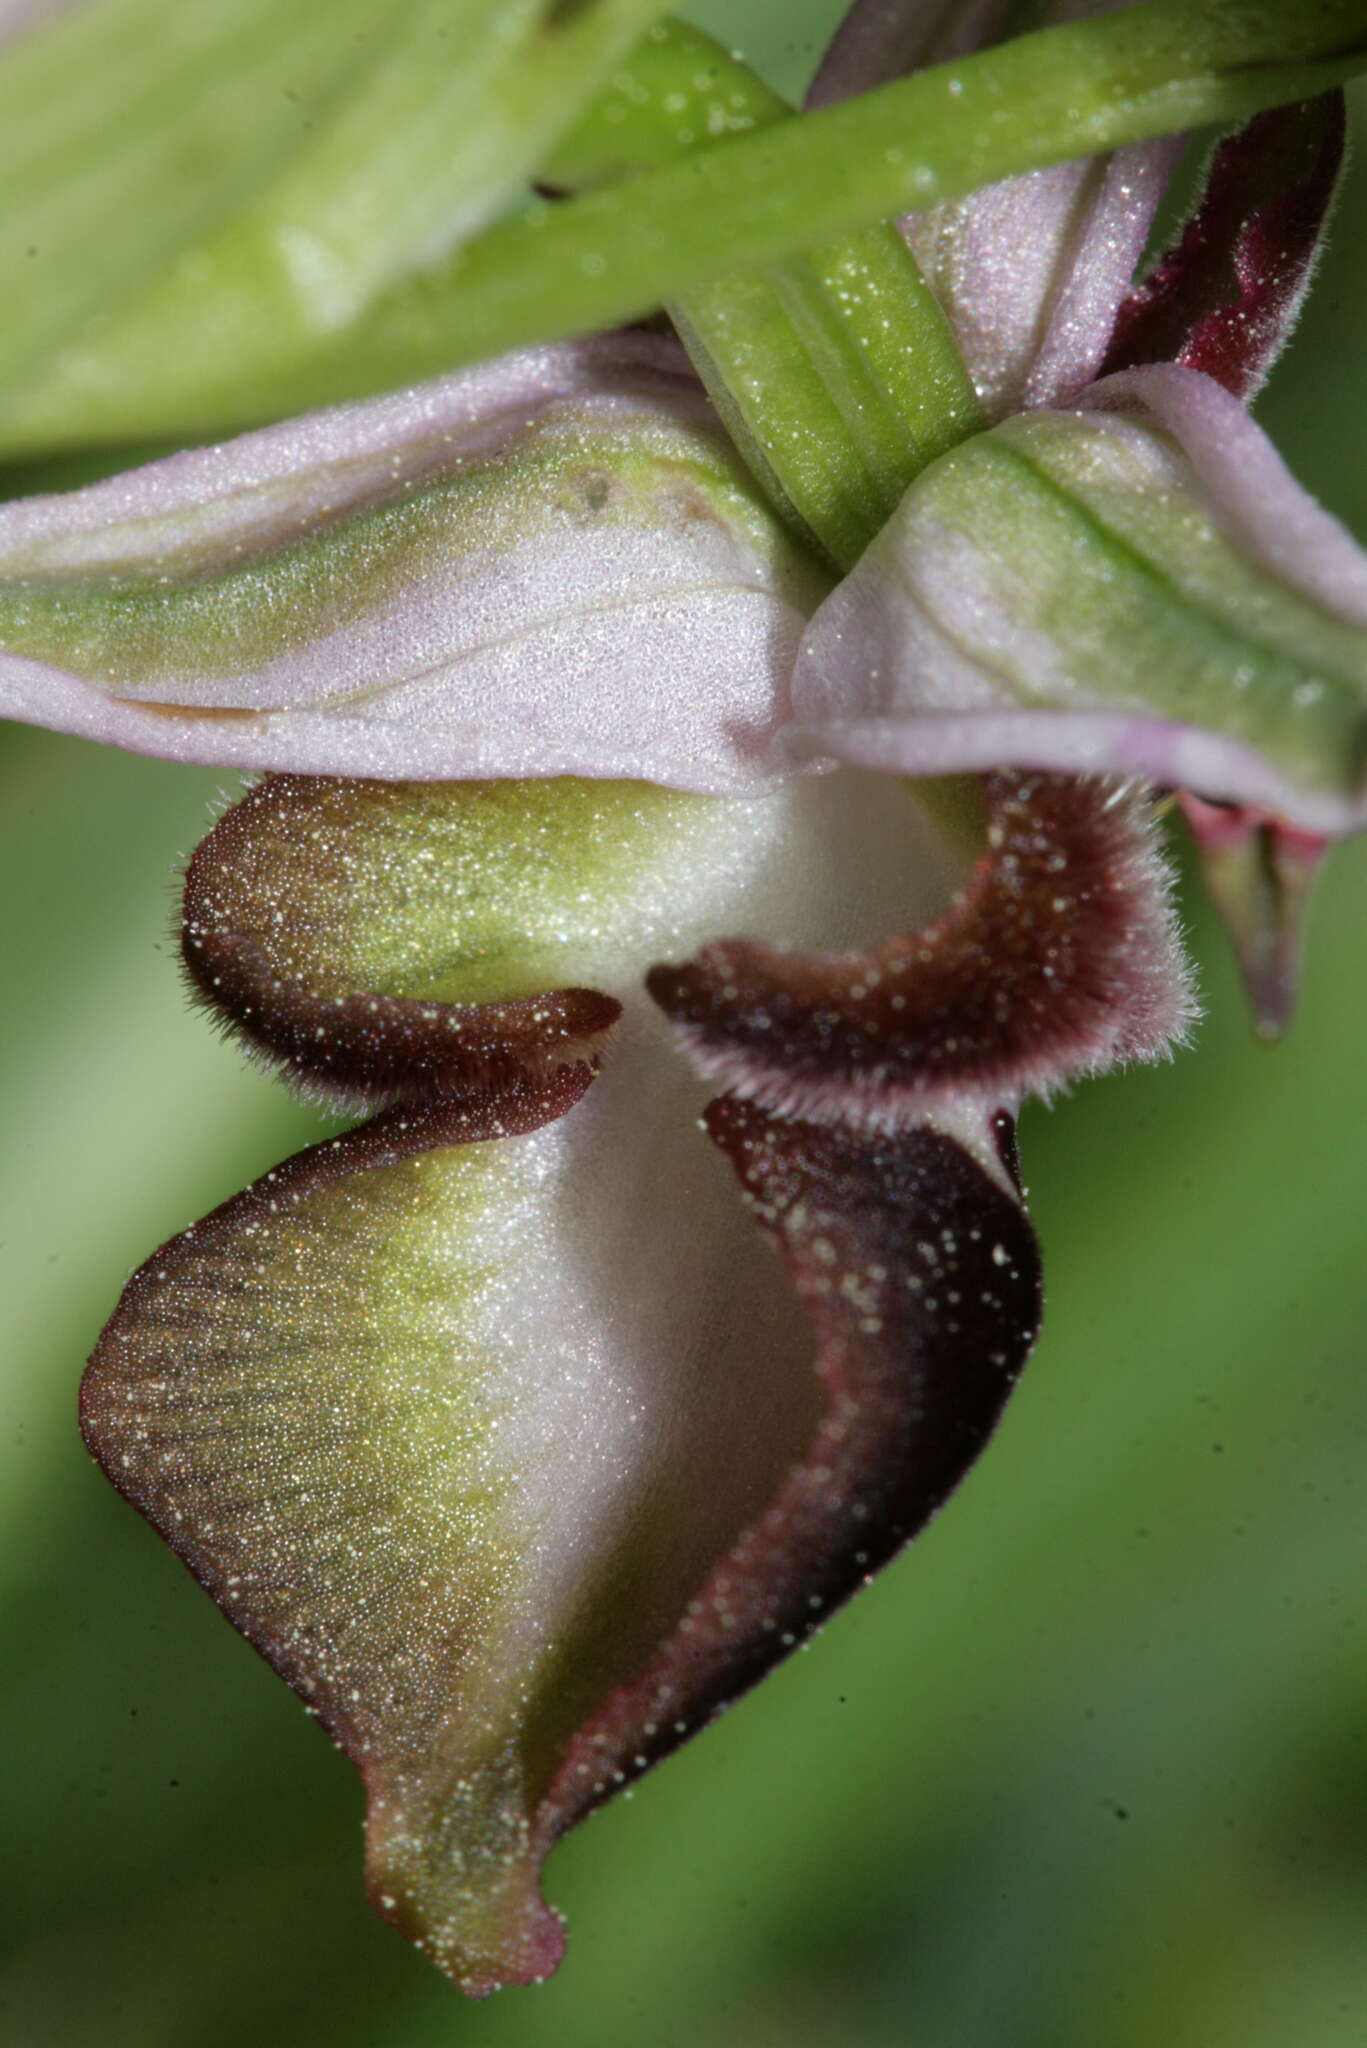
[[839, 378]]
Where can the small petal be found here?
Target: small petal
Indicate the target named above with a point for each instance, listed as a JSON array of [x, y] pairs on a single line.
[[1030, 270], [1225, 298], [1059, 958], [551, 564], [1136, 587]]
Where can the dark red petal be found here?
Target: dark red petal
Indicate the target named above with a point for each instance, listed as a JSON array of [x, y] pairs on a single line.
[[1225, 296], [274, 939], [920, 1276], [1059, 958]]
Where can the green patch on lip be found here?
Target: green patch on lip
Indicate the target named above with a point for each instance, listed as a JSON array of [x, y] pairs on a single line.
[[304, 1396], [453, 892]]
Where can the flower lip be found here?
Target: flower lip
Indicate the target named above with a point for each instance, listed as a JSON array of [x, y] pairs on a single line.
[[413, 1334]]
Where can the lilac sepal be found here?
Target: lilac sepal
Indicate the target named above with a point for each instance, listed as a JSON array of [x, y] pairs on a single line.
[[1157, 750], [905, 666], [1275, 518], [625, 606]]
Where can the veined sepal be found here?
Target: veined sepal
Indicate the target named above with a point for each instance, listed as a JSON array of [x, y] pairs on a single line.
[[1136, 586], [553, 564]]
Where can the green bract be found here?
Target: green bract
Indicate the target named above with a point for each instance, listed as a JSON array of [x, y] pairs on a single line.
[[236, 184], [609, 256]]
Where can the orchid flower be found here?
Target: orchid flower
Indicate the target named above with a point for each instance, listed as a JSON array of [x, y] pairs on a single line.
[[493, 1423]]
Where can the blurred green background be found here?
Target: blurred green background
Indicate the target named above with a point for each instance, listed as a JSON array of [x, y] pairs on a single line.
[[1087, 1769]]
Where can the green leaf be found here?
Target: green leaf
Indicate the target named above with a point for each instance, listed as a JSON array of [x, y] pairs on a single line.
[[130, 131], [214, 192]]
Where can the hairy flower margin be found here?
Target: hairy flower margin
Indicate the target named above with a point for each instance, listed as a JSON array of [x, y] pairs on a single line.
[[486, 1422]]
